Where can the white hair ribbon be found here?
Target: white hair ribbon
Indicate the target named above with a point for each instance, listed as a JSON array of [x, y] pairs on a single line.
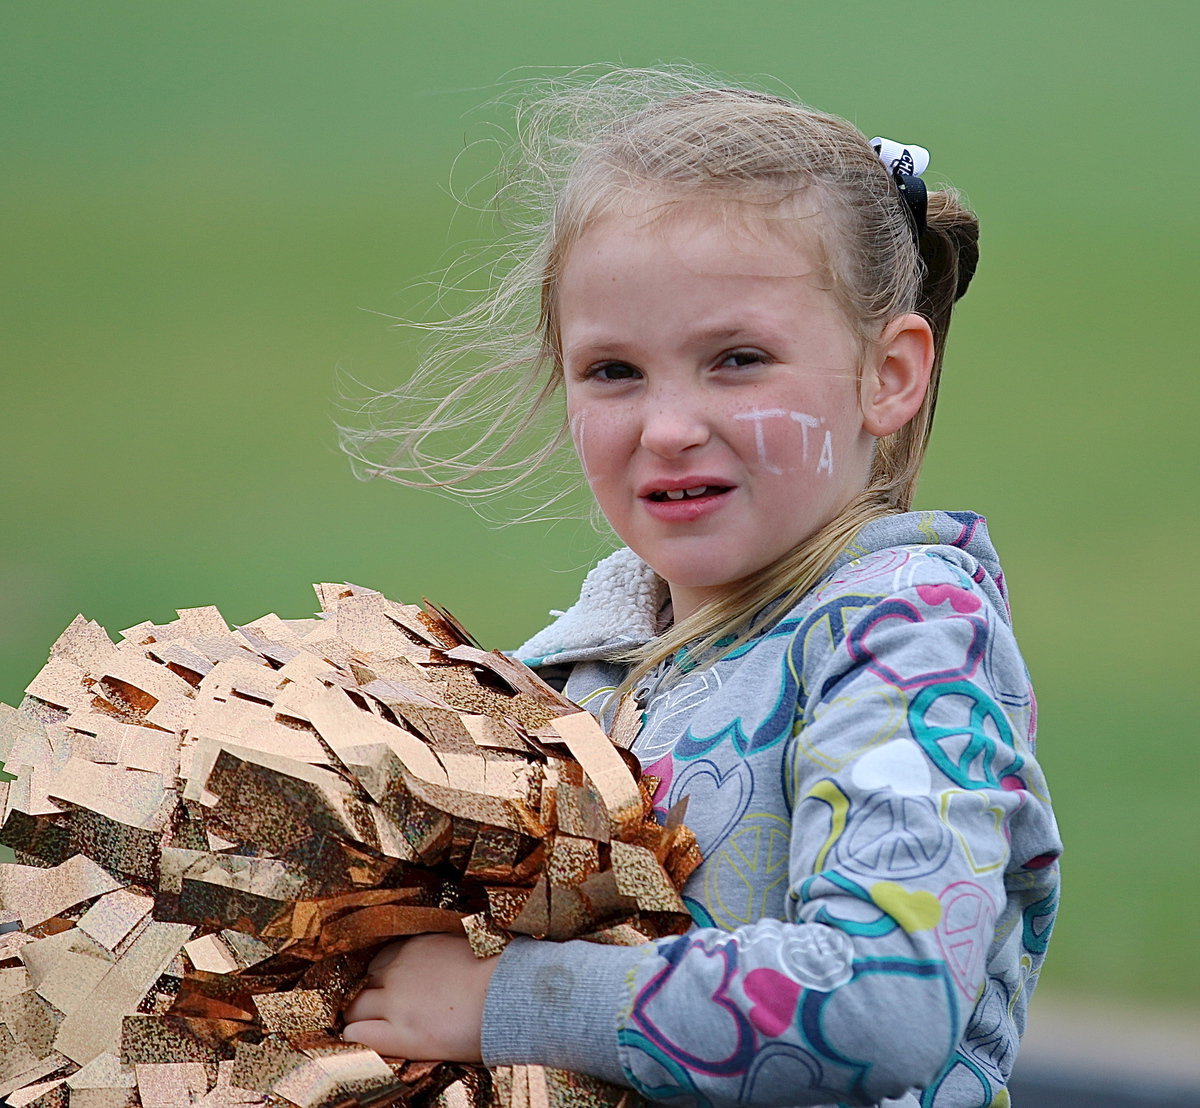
[[900, 158]]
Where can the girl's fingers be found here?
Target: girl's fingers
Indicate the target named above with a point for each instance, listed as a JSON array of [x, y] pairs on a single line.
[[424, 1000]]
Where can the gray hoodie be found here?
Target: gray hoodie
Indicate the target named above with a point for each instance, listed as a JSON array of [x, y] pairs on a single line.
[[880, 873]]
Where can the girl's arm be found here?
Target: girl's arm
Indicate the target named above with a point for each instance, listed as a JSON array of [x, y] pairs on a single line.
[[921, 890]]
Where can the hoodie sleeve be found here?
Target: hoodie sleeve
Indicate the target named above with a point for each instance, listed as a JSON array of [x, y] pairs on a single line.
[[921, 867]]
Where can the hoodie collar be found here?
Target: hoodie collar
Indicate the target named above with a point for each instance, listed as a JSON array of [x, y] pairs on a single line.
[[622, 597]]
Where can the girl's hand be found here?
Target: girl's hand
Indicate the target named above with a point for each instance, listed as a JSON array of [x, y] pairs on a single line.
[[423, 1001]]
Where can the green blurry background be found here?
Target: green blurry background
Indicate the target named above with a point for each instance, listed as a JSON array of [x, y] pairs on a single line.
[[210, 207]]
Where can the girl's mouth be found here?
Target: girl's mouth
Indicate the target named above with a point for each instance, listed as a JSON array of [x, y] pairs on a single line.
[[687, 504], [688, 494]]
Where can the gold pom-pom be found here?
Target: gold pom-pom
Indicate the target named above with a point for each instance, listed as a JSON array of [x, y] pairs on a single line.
[[215, 829]]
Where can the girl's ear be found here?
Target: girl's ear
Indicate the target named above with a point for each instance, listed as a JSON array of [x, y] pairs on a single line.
[[897, 376]]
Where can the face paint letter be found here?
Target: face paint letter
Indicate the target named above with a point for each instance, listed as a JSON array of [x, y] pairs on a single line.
[[826, 463], [807, 422], [576, 424], [760, 440]]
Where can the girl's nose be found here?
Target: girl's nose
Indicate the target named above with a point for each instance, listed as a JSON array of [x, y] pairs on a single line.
[[672, 425]]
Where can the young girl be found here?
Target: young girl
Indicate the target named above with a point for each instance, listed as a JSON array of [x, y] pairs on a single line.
[[746, 304]]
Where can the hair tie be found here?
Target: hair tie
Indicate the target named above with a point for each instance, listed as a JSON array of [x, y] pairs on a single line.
[[906, 164]]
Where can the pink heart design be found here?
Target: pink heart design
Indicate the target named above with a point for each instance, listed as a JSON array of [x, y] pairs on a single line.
[[664, 770], [961, 600], [773, 1000], [965, 634]]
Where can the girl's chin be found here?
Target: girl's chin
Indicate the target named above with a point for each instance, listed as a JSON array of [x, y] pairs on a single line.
[[705, 586], [701, 564]]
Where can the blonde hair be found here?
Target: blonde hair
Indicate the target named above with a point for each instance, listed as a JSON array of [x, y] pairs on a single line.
[[582, 146]]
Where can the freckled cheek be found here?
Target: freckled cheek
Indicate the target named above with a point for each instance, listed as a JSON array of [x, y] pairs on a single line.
[[601, 440]]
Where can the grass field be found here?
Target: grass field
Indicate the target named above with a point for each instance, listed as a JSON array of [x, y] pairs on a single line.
[[210, 207]]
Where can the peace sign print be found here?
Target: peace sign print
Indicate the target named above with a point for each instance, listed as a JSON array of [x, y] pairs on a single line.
[[964, 933], [894, 837], [971, 741], [745, 880]]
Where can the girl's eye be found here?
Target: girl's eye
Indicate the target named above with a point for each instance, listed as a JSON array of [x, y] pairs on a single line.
[[613, 371], [736, 359]]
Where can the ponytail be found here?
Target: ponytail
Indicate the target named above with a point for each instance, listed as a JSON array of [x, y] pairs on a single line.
[[949, 250], [950, 253]]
